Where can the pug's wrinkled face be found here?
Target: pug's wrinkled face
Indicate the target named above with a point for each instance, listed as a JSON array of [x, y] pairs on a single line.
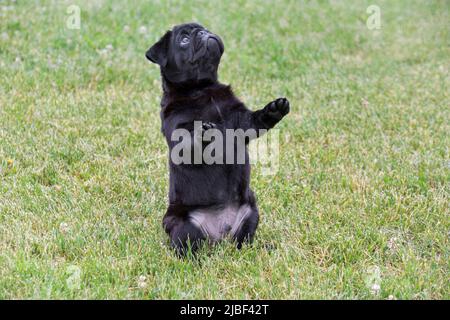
[[187, 53]]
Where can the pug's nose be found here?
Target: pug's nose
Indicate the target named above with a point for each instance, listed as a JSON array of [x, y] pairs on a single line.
[[203, 34]]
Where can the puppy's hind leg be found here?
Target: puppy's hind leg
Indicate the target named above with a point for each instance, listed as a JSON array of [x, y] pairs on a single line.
[[244, 229], [185, 237]]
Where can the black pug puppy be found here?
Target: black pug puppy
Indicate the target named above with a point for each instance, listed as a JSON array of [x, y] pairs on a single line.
[[206, 201]]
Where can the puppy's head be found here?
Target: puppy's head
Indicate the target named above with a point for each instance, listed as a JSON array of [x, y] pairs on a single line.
[[187, 53]]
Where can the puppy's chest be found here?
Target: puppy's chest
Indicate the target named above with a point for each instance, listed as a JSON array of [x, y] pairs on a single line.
[[210, 112], [205, 110]]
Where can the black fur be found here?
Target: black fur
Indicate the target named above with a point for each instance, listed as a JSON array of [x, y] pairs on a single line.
[[192, 92]]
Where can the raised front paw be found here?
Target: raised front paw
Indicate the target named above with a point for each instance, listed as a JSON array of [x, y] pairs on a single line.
[[278, 108]]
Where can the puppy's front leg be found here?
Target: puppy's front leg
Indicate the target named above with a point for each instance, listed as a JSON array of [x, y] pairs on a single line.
[[267, 117], [271, 114]]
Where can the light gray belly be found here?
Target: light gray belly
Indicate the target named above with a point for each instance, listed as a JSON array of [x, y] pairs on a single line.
[[217, 224]]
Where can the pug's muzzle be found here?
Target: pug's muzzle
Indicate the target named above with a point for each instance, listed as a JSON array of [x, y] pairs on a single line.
[[207, 45]]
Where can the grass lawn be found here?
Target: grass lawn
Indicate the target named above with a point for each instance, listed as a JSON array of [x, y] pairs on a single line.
[[359, 207]]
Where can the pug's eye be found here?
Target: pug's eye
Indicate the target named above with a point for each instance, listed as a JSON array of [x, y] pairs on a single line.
[[185, 40]]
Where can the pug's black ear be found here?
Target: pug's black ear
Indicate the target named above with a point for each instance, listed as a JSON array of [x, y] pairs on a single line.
[[158, 52]]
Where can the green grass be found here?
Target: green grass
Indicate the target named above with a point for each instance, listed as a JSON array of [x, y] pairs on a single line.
[[361, 196]]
